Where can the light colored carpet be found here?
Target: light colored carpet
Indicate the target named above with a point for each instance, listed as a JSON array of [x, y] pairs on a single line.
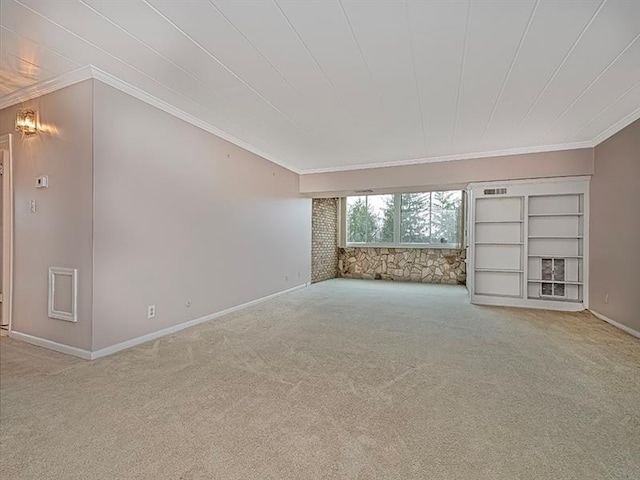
[[345, 379]]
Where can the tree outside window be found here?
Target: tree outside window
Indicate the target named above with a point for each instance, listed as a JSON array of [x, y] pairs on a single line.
[[420, 219]]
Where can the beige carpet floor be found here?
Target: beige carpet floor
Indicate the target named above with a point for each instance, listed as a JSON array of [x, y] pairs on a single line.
[[345, 379]]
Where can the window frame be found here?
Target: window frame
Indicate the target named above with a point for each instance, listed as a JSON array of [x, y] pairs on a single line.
[[397, 206]]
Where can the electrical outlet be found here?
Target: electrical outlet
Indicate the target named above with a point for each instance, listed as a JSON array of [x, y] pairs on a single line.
[[32, 206], [187, 303], [151, 311], [606, 298]]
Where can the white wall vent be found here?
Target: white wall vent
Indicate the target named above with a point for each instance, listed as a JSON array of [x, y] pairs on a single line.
[[495, 191]]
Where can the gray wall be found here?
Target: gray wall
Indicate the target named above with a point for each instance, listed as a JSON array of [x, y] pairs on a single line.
[[452, 175], [615, 228], [60, 233], [181, 214]]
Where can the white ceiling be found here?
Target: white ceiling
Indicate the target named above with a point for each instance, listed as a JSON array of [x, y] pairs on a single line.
[[331, 85]]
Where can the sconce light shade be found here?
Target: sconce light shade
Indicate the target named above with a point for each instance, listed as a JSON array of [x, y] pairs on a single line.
[[26, 122]]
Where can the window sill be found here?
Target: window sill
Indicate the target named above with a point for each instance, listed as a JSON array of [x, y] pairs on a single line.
[[436, 246]]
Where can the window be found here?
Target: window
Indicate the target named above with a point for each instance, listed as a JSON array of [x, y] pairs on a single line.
[[418, 219]]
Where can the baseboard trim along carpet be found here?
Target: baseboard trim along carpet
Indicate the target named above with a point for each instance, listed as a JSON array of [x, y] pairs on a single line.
[[58, 347], [622, 327], [103, 352]]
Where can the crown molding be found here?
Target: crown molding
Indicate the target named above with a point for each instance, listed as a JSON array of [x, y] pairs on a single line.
[[47, 86], [616, 127], [91, 72], [451, 158], [143, 96]]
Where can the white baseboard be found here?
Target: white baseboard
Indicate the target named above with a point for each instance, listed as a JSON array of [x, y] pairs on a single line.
[[88, 355], [58, 347], [622, 327], [103, 352]]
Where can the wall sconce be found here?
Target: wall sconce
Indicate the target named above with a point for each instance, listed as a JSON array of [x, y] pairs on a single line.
[[26, 122]]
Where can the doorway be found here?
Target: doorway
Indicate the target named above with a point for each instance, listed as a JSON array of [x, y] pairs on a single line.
[[6, 231]]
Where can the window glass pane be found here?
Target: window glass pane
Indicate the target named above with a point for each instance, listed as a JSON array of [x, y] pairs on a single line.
[[445, 216], [370, 219], [547, 269], [387, 216], [415, 222], [425, 218]]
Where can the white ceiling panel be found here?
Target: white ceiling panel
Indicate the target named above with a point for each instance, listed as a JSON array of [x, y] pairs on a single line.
[[553, 31], [35, 53], [487, 59], [103, 34], [434, 24], [622, 76], [336, 84], [612, 31], [627, 106], [382, 31]]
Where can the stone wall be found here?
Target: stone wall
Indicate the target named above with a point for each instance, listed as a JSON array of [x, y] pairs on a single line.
[[324, 239], [425, 265]]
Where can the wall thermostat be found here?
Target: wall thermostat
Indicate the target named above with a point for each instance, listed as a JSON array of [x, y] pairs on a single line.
[[42, 181]]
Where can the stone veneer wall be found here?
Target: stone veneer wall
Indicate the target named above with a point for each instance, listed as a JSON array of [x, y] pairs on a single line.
[[425, 265], [324, 239]]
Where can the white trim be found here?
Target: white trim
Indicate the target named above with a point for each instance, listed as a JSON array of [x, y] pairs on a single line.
[[621, 326], [89, 71], [103, 352], [58, 347], [181, 326], [616, 127], [527, 303], [7, 228], [528, 181], [145, 97], [449, 158], [47, 86], [71, 316]]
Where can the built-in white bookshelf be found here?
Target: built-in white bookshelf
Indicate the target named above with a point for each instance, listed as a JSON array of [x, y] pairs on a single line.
[[556, 247], [528, 243]]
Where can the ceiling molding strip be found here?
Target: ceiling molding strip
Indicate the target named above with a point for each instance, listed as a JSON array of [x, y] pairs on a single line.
[[616, 127], [46, 86], [450, 158], [91, 72]]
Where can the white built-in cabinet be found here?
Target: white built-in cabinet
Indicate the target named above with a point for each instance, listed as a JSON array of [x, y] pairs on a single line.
[[528, 243]]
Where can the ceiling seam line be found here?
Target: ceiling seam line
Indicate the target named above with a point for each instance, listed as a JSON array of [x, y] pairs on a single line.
[[508, 75], [460, 76], [235, 75], [55, 52], [6, 52], [250, 43], [584, 92], [557, 71], [190, 100], [626, 92], [315, 61], [415, 78], [222, 96], [364, 60]]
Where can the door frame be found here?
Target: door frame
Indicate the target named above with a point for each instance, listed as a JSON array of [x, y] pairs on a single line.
[[7, 226]]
